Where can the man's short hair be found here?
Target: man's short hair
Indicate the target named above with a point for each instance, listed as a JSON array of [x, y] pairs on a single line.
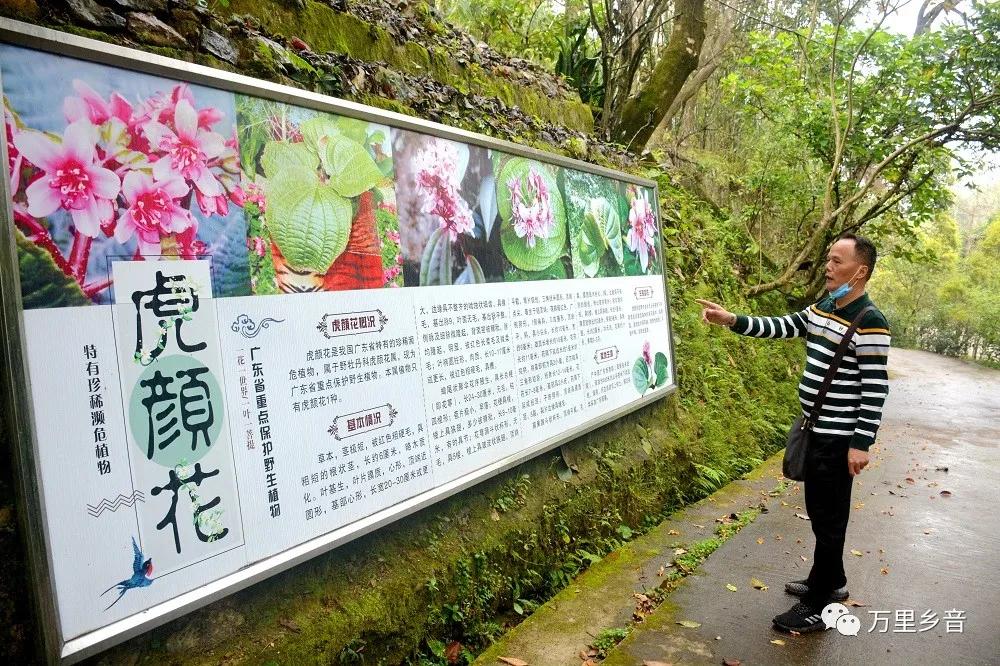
[[864, 250]]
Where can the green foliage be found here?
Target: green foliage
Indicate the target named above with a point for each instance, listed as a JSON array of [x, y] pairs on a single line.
[[310, 170], [849, 129], [608, 638], [942, 295], [516, 27], [42, 283], [309, 221], [600, 235], [436, 261], [579, 61]]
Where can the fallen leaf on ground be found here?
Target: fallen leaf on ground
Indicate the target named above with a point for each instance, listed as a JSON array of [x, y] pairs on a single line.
[[910, 480], [778, 641], [643, 607], [673, 532], [730, 587], [690, 624], [777, 537], [802, 516], [859, 505], [794, 633], [679, 551], [288, 624], [452, 651], [856, 604], [589, 662], [928, 531], [513, 661], [760, 540], [583, 656], [856, 552], [731, 662], [655, 663], [700, 527], [758, 584], [945, 493], [932, 484], [884, 571], [662, 570], [804, 558]]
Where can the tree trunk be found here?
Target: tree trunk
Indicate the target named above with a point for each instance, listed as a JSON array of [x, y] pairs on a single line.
[[643, 112]]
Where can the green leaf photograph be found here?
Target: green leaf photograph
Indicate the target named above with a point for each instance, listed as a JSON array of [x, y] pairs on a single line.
[[533, 230], [594, 210], [321, 201]]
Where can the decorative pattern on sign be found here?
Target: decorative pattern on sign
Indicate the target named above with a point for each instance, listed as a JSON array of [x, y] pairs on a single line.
[[246, 326], [367, 420], [352, 323], [606, 354], [643, 293], [106, 504]]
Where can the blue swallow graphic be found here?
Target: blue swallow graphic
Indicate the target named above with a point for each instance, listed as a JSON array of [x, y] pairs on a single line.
[[141, 575]]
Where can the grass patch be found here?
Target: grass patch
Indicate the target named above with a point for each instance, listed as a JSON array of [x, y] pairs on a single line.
[[608, 638], [683, 566]]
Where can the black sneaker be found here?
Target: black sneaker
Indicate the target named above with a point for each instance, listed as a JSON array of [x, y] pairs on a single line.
[[800, 588], [801, 618]]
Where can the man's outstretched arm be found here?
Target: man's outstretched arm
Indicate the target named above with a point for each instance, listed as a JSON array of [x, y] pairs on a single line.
[[792, 325]]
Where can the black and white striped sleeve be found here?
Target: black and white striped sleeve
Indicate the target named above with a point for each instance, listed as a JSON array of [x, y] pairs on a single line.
[[792, 325]]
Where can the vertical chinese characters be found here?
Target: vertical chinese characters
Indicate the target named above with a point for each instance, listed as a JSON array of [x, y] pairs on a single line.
[[176, 411]]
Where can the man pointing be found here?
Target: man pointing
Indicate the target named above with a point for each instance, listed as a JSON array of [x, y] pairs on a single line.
[[848, 420]]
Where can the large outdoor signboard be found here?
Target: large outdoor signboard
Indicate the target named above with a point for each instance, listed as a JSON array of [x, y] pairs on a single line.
[[246, 323]]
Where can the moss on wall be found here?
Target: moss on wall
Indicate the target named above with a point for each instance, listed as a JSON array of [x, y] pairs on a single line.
[[326, 29]]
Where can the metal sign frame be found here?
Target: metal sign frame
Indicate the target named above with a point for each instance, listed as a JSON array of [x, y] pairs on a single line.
[[18, 402]]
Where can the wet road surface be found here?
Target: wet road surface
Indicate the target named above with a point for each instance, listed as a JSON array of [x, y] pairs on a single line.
[[925, 531]]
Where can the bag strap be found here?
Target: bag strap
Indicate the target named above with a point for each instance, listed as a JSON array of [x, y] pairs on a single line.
[[831, 371]]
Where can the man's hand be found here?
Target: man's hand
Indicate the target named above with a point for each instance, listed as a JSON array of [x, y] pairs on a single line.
[[713, 313], [857, 460]]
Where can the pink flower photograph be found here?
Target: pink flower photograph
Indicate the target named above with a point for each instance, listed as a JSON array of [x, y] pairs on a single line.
[[119, 166], [641, 231], [447, 211]]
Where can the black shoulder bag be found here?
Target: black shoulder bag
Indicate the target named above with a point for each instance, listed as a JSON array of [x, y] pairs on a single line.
[[794, 465]]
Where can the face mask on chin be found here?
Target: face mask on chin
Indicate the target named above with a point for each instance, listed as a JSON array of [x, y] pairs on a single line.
[[844, 289]]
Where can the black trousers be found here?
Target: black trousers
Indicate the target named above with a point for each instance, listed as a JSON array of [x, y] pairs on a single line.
[[828, 485]]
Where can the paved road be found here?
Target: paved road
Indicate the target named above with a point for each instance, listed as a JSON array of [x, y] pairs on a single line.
[[921, 549]]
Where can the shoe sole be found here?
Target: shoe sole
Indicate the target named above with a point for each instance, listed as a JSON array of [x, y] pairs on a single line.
[[819, 626], [835, 597]]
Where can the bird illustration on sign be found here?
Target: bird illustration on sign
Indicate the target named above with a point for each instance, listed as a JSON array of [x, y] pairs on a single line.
[[142, 572]]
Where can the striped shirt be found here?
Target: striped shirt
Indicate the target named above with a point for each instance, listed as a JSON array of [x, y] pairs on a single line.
[[853, 406]]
